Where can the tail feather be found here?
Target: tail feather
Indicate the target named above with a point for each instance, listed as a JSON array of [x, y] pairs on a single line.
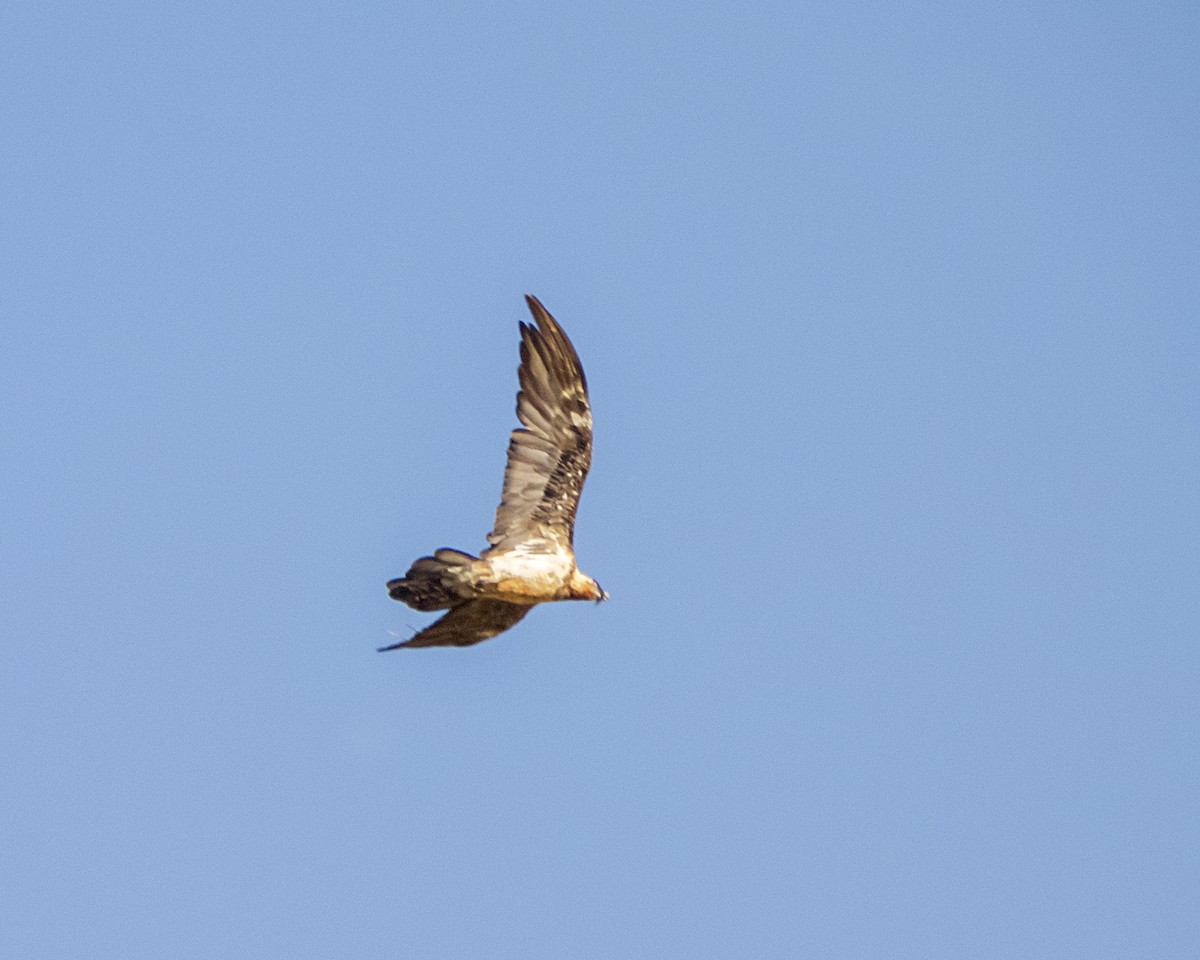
[[435, 583]]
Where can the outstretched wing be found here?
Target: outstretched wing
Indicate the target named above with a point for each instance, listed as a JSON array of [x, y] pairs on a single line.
[[549, 457], [468, 623]]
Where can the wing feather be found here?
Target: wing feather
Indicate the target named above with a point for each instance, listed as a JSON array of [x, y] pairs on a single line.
[[550, 454], [468, 623]]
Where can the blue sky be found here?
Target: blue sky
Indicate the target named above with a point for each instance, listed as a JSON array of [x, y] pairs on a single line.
[[889, 312]]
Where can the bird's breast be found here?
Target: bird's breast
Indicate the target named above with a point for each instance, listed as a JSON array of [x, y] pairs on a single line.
[[527, 578]]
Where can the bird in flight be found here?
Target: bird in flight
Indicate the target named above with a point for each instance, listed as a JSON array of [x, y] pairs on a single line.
[[531, 557]]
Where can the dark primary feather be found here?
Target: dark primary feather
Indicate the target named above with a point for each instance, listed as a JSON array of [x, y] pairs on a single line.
[[468, 623], [549, 457]]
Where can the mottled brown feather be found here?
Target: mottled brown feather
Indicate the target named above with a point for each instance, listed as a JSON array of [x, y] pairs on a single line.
[[549, 456]]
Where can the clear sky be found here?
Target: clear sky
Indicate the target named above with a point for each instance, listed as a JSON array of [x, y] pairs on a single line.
[[891, 316]]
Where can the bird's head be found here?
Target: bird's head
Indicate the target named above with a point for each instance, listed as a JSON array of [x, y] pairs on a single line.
[[583, 587]]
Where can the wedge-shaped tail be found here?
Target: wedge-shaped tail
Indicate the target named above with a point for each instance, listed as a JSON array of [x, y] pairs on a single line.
[[435, 583]]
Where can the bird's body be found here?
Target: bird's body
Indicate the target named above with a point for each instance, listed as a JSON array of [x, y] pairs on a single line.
[[531, 557]]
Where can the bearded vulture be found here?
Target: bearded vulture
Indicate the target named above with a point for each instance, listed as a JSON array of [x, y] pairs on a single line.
[[531, 557]]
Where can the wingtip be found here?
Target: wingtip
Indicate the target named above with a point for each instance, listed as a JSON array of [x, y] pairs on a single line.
[[552, 343], [540, 313]]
